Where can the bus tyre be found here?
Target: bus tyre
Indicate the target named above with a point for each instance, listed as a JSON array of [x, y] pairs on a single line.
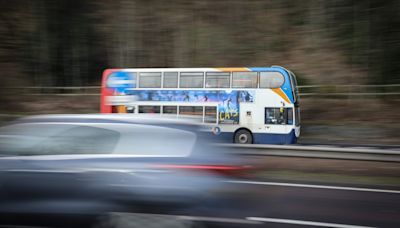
[[243, 137]]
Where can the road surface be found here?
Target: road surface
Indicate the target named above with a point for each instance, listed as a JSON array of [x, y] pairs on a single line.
[[281, 204]]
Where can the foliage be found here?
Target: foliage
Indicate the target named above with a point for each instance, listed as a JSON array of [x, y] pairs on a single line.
[[69, 43]]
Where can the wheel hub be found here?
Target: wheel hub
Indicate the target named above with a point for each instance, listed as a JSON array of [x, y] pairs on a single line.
[[243, 138]]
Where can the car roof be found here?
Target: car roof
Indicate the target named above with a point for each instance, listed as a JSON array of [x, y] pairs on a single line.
[[113, 118], [150, 125]]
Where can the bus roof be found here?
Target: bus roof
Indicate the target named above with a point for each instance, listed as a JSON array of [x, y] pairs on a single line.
[[215, 69]]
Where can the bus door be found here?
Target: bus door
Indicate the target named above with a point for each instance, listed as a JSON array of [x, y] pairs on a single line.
[[246, 116]]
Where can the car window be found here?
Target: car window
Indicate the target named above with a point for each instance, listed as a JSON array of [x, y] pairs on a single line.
[[145, 140], [80, 140], [105, 138], [54, 139]]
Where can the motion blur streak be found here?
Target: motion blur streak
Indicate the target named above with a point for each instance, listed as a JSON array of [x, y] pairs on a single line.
[[200, 167], [316, 186], [90, 165], [306, 223]]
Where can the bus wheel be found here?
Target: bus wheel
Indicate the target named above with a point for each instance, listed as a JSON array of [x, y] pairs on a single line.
[[243, 137]]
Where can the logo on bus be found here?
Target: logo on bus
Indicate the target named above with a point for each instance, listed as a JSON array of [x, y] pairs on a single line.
[[229, 116], [121, 81]]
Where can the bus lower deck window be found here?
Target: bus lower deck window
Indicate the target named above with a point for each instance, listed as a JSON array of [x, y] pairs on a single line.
[[149, 109], [169, 109], [191, 110], [210, 114]]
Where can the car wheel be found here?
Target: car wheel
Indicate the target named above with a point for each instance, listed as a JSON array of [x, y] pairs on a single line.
[[243, 137]]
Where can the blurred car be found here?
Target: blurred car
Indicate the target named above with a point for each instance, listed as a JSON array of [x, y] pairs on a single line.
[[54, 167]]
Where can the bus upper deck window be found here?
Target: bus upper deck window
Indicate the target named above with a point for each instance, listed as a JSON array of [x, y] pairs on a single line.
[[191, 80], [295, 89], [271, 80], [244, 79], [170, 80], [150, 80], [217, 79]]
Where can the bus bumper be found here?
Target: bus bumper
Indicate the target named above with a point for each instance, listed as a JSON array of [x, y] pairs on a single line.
[[264, 138]]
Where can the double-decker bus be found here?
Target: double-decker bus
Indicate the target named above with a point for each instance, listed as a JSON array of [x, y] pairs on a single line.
[[242, 105]]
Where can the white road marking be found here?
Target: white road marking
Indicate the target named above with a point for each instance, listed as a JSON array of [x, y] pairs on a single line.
[[216, 219], [247, 220], [307, 223], [191, 218], [316, 186]]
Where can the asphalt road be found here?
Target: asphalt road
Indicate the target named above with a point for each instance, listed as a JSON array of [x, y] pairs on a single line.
[[281, 204], [278, 204]]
